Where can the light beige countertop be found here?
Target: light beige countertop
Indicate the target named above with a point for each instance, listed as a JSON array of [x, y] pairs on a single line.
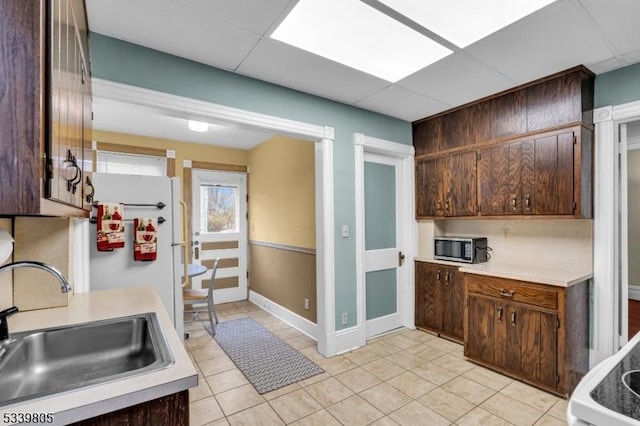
[[94, 400], [541, 274]]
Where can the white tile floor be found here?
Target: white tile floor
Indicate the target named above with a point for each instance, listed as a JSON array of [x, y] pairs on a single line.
[[405, 378]]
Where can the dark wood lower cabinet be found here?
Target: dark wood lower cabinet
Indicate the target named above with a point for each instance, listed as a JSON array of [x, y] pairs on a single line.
[[170, 410], [439, 299], [533, 332]]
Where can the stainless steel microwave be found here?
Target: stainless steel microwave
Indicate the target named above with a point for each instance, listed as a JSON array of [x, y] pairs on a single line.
[[460, 249]]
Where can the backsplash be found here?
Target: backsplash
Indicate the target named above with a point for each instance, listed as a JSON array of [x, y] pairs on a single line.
[[549, 242]]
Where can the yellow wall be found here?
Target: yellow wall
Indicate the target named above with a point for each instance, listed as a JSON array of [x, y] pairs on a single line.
[[184, 150], [282, 192]]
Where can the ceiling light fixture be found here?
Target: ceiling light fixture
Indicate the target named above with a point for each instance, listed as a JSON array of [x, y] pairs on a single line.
[[464, 22], [356, 35], [198, 126]]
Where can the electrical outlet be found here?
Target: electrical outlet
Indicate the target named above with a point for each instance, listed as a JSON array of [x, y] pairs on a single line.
[[345, 318], [306, 304], [506, 232]]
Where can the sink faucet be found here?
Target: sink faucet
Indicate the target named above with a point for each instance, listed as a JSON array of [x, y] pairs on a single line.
[[64, 287]]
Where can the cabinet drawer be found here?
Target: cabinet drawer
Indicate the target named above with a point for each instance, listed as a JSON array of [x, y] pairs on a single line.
[[517, 291]]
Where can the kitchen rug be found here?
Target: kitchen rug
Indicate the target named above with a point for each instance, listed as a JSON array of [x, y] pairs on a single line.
[[266, 361]]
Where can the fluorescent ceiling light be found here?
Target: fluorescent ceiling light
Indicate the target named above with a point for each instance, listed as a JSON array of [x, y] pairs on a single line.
[[463, 22], [198, 126], [358, 36]]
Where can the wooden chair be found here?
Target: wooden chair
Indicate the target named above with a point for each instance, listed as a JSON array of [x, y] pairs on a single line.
[[192, 297]]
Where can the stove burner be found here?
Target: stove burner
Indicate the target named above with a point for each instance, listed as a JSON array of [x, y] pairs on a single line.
[[631, 380]]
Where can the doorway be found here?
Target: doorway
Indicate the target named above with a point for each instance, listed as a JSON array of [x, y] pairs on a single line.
[[630, 237], [219, 223]]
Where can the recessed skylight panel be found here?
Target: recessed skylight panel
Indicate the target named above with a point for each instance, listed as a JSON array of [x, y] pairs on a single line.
[[358, 36], [463, 22]]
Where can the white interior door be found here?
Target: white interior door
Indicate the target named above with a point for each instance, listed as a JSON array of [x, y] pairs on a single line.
[[219, 224], [383, 251]]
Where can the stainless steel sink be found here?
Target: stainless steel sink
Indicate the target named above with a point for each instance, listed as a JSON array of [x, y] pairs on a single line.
[[44, 362]]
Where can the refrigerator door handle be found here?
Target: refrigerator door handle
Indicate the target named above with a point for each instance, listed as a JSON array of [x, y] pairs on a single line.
[[183, 243]]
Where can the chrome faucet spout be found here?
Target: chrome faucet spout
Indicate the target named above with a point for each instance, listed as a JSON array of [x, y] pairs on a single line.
[[64, 285]]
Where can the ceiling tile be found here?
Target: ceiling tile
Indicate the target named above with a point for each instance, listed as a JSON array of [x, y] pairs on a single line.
[[605, 66], [457, 79], [256, 16], [288, 66], [550, 40], [620, 21], [175, 31], [402, 103]]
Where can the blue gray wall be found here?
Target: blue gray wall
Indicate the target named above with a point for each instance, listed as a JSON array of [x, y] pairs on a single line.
[[123, 62], [618, 86]]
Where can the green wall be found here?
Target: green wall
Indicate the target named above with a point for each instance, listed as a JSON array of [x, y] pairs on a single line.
[[123, 62], [618, 86]]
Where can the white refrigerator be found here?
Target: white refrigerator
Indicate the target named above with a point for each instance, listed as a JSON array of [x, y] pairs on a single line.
[[116, 269]]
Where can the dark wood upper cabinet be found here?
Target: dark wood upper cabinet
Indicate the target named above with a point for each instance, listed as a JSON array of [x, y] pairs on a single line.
[[531, 149], [45, 119], [446, 186]]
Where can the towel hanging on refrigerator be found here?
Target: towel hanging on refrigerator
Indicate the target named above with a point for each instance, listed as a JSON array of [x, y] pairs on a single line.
[[110, 227], [145, 246]]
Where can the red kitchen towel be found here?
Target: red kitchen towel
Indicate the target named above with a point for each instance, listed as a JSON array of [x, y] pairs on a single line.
[[145, 246], [110, 228]]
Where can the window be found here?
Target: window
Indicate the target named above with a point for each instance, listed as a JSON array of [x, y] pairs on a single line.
[[131, 164], [219, 208]]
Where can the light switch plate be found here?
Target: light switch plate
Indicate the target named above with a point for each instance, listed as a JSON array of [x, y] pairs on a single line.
[[345, 231]]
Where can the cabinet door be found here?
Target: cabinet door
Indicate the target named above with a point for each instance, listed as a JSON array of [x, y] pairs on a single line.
[[554, 174], [434, 176], [538, 343], [433, 298], [460, 199], [420, 289], [453, 303], [482, 320], [494, 188]]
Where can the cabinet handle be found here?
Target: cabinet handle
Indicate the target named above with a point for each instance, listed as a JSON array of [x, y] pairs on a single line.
[[514, 202], [446, 278], [439, 205], [500, 311], [527, 201], [89, 194], [446, 205], [507, 293], [513, 318], [196, 253], [438, 275]]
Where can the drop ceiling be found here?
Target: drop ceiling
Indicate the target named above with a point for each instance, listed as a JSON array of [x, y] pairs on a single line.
[[603, 35]]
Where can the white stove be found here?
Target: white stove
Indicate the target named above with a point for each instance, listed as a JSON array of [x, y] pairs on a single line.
[[609, 394]]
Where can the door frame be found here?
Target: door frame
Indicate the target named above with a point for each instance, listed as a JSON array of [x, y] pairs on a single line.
[[407, 229], [609, 319], [322, 137]]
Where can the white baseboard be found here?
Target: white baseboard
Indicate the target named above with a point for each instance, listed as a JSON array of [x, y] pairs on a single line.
[[634, 292], [291, 318]]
